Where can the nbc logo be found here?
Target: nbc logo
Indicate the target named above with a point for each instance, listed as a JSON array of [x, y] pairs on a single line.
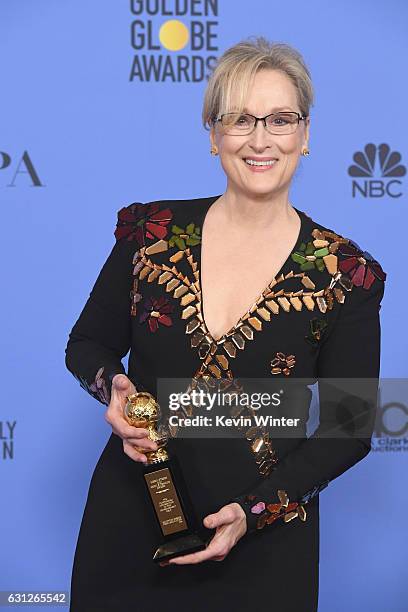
[[377, 162]]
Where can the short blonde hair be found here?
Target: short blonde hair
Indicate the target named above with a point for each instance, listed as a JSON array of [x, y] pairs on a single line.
[[235, 69]]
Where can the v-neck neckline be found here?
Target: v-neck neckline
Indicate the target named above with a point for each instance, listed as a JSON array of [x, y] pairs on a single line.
[[202, 214]]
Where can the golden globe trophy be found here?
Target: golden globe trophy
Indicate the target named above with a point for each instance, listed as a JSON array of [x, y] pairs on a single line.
[[165, 483]]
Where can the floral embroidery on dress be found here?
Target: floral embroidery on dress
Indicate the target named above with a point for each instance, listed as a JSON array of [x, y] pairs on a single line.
[[269, 513], [135, 295], [282, 364], [317, 328], [190, 236], [360, 265], [156, 311], [140, 221], [97, 388], [309, 256], [319, 253]]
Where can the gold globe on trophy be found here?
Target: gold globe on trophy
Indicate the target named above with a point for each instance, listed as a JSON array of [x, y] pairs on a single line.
[[142, 410]]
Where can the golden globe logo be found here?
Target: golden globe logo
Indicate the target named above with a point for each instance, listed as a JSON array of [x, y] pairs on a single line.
[[174, 35], [177, 49]]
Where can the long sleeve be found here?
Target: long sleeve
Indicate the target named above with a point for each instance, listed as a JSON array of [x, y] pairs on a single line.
[[351, 350], [101, 336]]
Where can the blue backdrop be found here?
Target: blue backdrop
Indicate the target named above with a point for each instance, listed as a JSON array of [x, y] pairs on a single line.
[[100, 107]]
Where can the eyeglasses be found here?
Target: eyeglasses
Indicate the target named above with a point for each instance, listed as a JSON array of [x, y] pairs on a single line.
[[238, 124]]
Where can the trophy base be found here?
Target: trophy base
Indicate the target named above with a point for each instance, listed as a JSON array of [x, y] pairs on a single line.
[[179, 546]]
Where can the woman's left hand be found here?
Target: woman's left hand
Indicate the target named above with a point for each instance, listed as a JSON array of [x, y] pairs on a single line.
[[230, 524]]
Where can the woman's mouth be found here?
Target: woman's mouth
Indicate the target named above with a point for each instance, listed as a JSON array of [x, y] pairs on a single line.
[[256, 165]]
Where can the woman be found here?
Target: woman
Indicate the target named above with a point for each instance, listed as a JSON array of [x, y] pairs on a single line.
[[241, 284]]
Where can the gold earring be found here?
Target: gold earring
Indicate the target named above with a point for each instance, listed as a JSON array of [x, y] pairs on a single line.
[[214, 150], [305, 151]]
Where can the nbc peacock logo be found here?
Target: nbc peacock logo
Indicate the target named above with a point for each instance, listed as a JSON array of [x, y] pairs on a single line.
[[376, 172]]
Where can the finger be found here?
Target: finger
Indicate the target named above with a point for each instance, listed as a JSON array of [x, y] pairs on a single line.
[[122, 383], [122, 427], [141, 440], [144, 444], [224, 516], [219, 558], [137, 436], [133, 453], [128, 431], [143, 448], [203, 555], [136, 433]]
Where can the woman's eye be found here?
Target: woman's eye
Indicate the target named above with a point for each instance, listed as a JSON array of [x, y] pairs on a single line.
[[281, 119]]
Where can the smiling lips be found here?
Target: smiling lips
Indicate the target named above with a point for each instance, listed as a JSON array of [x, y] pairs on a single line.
[[260, 164]]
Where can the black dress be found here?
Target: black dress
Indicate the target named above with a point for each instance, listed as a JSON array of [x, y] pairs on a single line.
[[318, 318]]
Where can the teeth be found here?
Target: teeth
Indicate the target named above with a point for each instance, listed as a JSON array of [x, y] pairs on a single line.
[[252, 162]]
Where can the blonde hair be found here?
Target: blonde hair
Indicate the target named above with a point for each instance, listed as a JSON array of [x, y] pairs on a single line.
[[235, 70]]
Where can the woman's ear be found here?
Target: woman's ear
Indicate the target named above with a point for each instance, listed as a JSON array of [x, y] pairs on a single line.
[[307, 125], [212, 137], [213, 147]]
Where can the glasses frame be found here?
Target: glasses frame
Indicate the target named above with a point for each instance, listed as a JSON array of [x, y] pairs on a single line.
[[263, 119]]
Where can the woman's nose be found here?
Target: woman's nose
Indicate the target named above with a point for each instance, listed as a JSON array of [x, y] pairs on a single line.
[[260, 137]]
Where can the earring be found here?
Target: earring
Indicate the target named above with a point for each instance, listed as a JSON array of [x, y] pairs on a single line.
[[305, 151], [214, 151]]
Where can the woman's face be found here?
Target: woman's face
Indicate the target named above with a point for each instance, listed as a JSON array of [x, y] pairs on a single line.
[[271, 89]]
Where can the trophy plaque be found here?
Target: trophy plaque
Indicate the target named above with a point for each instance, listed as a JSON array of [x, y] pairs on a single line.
[[165, 484]]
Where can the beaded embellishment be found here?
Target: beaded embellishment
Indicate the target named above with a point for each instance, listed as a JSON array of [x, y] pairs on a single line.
[[282, 364], [317, 329], [360, 265], [155, 312], [269, 513], [320, 253], [98, 388]]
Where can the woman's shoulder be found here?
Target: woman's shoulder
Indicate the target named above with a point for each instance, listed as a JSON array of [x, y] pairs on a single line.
[[328, 248]]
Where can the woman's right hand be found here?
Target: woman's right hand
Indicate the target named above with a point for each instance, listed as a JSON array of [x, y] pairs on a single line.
[[131, 436]]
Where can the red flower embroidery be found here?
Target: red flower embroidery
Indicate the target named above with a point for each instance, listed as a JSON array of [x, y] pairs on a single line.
[[141, 221], [156, 311], [360, 265]]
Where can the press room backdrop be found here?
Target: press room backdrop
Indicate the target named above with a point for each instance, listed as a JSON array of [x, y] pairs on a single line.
[[100, 107]]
